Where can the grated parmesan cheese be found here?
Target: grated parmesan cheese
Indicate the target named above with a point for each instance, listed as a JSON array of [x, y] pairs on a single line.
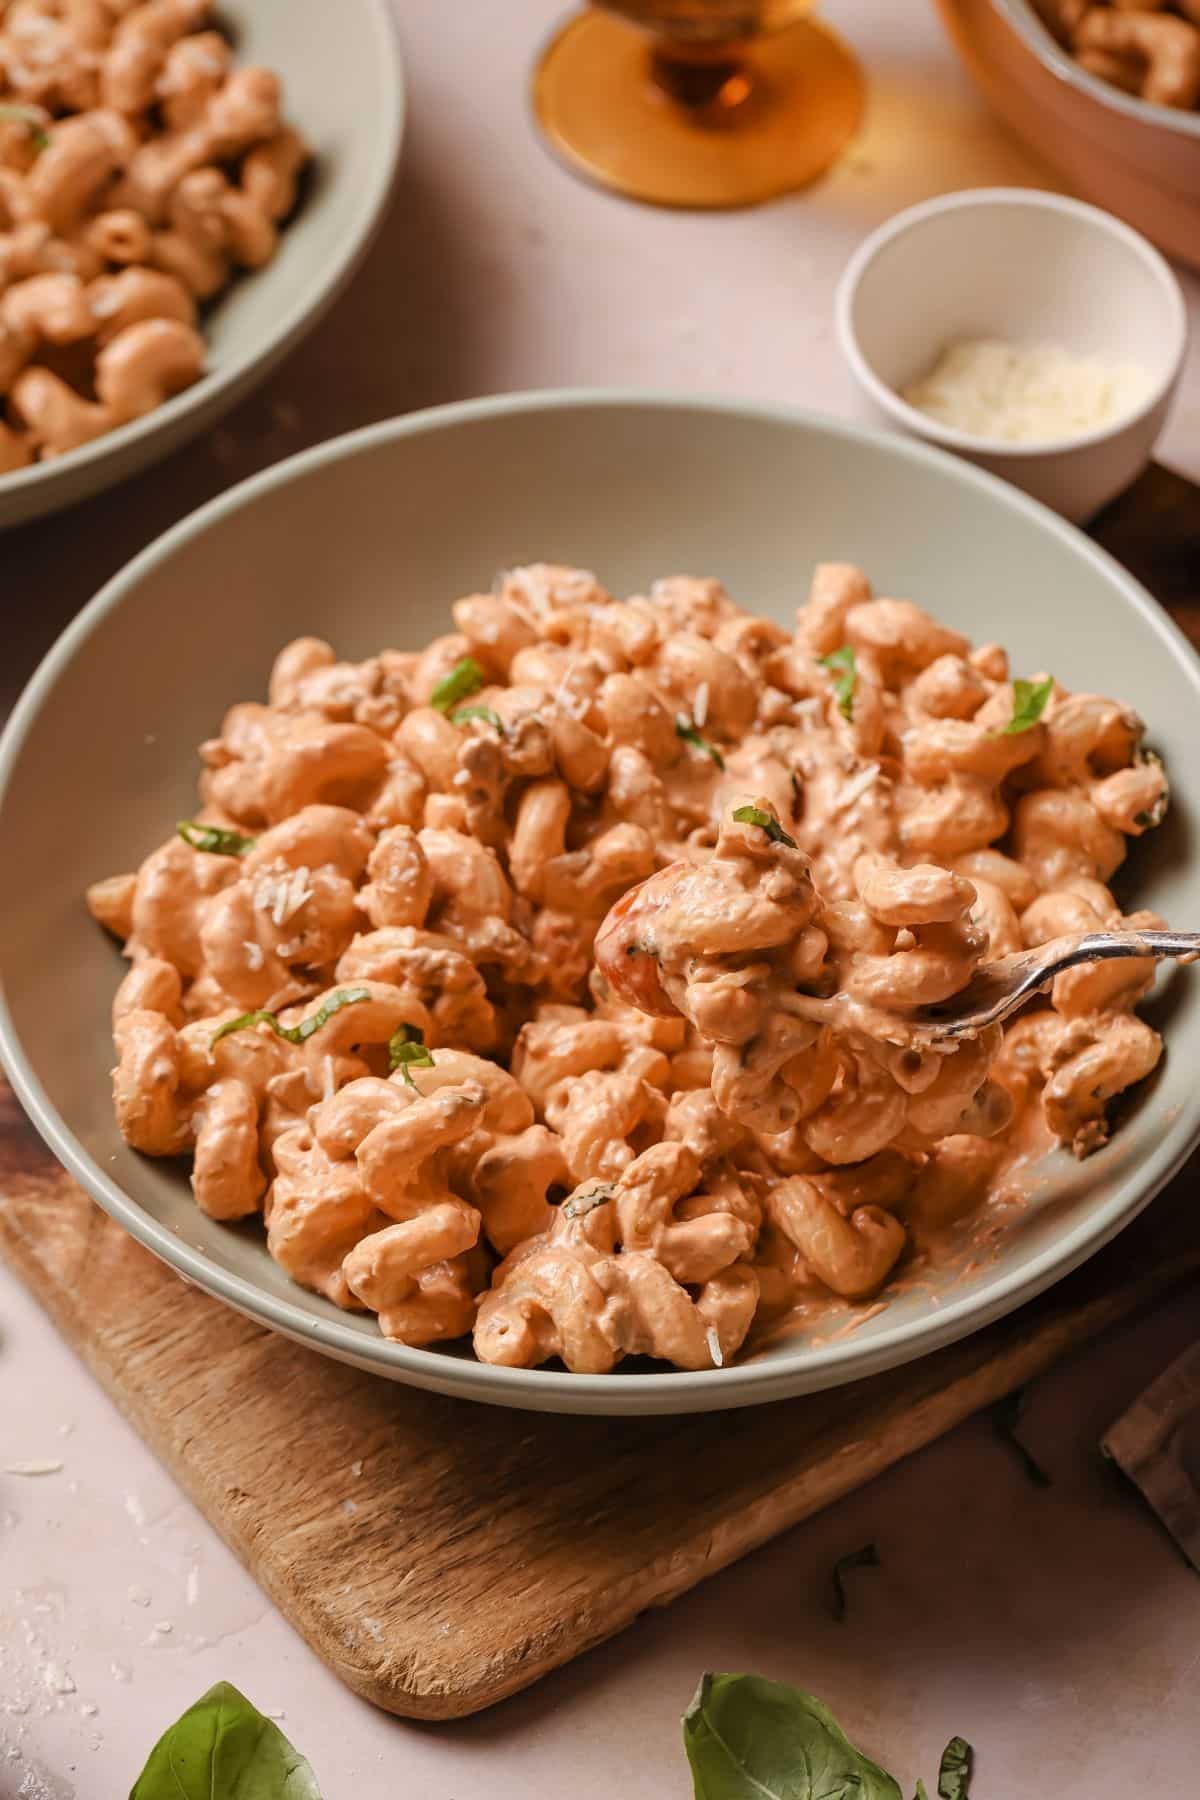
[[714, 1347], [1026, 393]]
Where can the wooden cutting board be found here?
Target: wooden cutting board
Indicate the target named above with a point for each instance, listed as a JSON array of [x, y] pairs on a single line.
[[438, 1555]]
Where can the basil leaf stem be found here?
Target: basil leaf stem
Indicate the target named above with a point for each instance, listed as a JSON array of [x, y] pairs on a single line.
[[1029, 703], [866, 1558], [214, 838], [406, 1051], [295, 1034], [463, 680], [843, 665], [685, 729], [754, 815], [224, 1746]]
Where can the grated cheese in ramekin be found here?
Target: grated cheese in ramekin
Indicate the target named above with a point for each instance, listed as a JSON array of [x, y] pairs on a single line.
[[1026, 393]]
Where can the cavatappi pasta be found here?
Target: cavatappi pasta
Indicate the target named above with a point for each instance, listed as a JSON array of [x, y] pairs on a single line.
[[140, 169], [367, 997]]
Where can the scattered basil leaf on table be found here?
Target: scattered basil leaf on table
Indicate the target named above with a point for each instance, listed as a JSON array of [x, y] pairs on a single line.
[[866, 1558], [842, 664], [223, 1748], [295, 1034], [688, 732], [754, 815], [463, 680], [214, 838], [922, 1792], [751, 1739], [478, 712], [406, 1051], [954, 1775], [1029, 703]]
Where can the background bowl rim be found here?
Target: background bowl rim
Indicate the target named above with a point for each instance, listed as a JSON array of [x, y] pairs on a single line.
[[811, 1368], [1037, 38], [1034, 199], [367, 206]]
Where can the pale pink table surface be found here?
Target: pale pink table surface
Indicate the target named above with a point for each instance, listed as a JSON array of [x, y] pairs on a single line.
[[1058, 1630]]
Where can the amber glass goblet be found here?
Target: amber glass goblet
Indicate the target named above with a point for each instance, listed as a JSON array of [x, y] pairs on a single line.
[[703, 103]]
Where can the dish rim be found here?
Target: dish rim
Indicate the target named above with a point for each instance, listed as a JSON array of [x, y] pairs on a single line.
[[367, 206], [1035, 36], [812, 1369], [969, 442]]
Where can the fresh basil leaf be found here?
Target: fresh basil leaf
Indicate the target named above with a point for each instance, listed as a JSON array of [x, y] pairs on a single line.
[[464, 679], [751, 1739], [214, 838], [1029, 703], [754, 815], [478, 712], [843, 665], [954, 1775], [922, 1792], [1006, 1416], [687, 731], [406, 1051], [223, 1748], [579, 1205], [866, 1558], [31, 117], [295, 1034]]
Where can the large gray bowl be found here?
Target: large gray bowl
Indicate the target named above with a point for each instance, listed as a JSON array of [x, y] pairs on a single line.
[[366, 541], [343, 88]]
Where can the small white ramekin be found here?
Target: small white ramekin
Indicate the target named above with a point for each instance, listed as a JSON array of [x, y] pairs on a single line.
[[1025, 267]]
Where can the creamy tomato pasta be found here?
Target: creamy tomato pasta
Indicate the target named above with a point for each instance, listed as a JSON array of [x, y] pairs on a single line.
[[549, 983]]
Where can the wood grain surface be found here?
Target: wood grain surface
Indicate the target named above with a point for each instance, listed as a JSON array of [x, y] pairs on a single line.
[[439, 1555]]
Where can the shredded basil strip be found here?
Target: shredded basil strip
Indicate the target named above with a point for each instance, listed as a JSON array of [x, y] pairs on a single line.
[[954, 1775], [579, 1205], [1006, 1416], [295, 1034], [842, 664], [687, 731], [1029, 703], [406, 1051], [29, 116], [478, 712], [866, 1558], [754, 815], [214, 838], [464, 679]]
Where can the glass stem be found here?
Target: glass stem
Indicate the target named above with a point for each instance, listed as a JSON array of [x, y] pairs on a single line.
[[710, 79]]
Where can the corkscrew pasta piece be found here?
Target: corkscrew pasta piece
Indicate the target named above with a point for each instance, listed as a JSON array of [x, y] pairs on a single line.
[[553, 983], [140, 169]]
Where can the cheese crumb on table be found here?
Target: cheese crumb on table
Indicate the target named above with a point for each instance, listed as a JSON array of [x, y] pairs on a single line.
[[1026, 393]]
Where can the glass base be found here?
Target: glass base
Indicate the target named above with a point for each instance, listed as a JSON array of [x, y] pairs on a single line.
[[767, 119]]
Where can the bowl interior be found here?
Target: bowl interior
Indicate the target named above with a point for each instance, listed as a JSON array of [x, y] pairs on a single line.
[[366, 542], [1018, 270]]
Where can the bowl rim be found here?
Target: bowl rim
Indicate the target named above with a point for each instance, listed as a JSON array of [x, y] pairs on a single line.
[[1035, 199], [815, 1367], [365, 209], [1034, 34]]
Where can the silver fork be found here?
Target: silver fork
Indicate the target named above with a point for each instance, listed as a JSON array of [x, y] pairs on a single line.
[[998, 989]]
